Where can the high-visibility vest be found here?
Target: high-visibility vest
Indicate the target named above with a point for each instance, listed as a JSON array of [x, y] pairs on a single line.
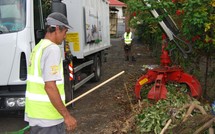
[[38, 104], [127, 38]]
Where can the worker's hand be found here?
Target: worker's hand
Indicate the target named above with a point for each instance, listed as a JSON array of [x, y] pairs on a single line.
[[71, 123]]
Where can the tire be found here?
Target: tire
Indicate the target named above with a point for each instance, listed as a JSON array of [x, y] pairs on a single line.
[[96, 68]]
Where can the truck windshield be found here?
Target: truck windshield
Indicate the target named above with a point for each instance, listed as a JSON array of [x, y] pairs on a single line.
[[12, 15]]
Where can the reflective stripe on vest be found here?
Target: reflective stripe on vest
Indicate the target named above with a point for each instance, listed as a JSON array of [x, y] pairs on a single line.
[[127, 38], [38, 104], [42, 98]]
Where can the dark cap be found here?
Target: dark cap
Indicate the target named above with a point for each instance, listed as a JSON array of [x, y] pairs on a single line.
[[57, 19]]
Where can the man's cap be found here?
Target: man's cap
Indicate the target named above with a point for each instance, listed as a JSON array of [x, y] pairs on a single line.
[[57, 19]]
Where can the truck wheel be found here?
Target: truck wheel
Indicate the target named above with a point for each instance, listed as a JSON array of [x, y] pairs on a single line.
[[96, 69]]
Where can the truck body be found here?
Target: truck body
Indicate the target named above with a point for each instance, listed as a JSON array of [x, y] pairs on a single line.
[[22, 25]]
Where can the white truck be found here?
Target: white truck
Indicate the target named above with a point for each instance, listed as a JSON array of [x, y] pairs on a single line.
[[22, 26]]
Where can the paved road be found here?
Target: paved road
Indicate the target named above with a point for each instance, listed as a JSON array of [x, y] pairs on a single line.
[[10, 122]]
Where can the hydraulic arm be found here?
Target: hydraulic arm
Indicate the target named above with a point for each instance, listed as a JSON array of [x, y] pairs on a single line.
[[165, 73]]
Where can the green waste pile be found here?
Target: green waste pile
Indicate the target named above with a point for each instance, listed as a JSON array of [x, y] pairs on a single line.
[[155, 115]]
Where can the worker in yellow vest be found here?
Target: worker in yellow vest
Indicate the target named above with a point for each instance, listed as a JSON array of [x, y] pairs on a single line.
[[45, 97], [128, 42]]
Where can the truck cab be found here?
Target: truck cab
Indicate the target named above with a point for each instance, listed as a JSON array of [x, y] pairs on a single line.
[[17, 36]]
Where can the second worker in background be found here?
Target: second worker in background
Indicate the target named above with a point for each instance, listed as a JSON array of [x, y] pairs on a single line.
[[128, 43]]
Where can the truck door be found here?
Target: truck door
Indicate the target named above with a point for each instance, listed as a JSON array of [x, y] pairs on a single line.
[[12, 21], [41, 10]]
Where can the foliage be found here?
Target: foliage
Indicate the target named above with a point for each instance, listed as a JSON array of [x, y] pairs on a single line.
[[198, 25], [154, 117], [197, 17], [46, 7]]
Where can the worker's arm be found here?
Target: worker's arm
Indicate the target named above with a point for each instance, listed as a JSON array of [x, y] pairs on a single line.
[[55, 99]]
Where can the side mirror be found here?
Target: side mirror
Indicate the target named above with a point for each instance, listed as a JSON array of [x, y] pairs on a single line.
[[58, 6], [39, 35]]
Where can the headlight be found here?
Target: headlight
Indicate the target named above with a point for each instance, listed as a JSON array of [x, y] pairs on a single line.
[[20, 102], [10, 102], [15, 102]]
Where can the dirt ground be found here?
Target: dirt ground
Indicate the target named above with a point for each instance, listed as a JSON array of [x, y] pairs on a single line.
[[109, 109], [106, 110]]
